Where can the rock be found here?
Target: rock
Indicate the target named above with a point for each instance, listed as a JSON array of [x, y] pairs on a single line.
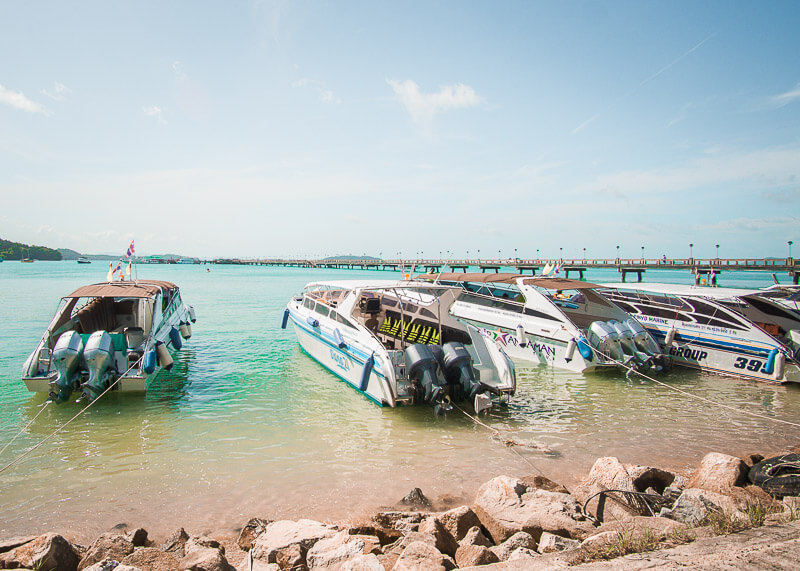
[[291, 557], [104, 565], [138, 537], [109, 545], [445, 542], [752, 495], [399, 521], [175, 542], [152, 559], [471, 555], [368, 562], [48, 552], [550, 543], [645, 477], [606, 474], [522, 554], [475, 537], [542, 483], [458, 521], [599, 539], [695, 505], [12, 542], [385, 535], [416, 499], [204, 554], [519, 539], [422, 556], [505, 506], [280, 535], [332, 552], [751, 459], [659, 527], [719, 473], [251, 530]]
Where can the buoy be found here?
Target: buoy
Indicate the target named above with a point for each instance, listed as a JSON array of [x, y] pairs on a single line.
[[584, 348], [570, 350], [175, 339], [192, 315], [185, 329], [285, 319], [312, 322], [164, 358], [670, 337], [149, 362], [337, 336], [366, 372]]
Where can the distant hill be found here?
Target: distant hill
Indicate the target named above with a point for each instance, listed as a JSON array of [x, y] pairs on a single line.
[[17, 251], [67, 254]]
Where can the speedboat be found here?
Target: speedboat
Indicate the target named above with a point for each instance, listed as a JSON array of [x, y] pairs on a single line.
[[731, 331], [553, 321], [395, 342], [83, 260], [116, 334]]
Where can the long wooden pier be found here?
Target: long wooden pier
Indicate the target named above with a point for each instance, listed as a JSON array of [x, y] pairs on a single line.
[[710, 267]]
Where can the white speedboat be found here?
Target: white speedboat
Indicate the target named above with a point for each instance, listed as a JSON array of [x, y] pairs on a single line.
[[396, 343], [553, 321], [731, 331], [117, 333]]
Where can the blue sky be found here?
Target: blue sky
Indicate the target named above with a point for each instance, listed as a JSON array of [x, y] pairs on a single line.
[[261, 129]]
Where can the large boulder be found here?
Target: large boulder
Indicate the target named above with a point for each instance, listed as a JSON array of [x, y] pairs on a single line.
[[48, 552], [422, 556], [368, 562], [251, 530], [475, 537], [109, 545], [657, 527], [204, 554], [719, 473], [175, 542], [550, 543], [152, 559], [472, 555], [399, 521], [505, 506], [283, 534], [695, 505], [333, 552], [458, 521], [445, 542], [606, 474]]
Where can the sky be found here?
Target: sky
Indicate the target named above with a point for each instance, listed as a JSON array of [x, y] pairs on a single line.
[[307, 129]]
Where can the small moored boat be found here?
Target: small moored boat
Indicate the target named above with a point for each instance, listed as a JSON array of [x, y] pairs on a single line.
[[114, 334], [553, 321], [83, 260], [396, 342]]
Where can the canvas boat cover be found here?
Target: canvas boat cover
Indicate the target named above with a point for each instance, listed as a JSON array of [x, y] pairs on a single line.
[[139, 288], [508, 278]]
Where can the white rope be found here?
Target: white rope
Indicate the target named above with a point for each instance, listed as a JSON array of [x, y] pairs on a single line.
[[26, 427], [63, 426]]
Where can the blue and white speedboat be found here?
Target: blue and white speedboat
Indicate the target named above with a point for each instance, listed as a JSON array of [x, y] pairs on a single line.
[[731, 331], [396, 342], [116, 334]]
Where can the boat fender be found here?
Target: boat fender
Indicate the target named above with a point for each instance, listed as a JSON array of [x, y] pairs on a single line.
[[584, 348], [192, 315], [780, 364], [337, 336], [312, 322], [670, 337], [164, 358], [285, 319], [175, 338], [769, 366], [570, 350], [185, 329], [149, 362], [521, 335], [366, 372]]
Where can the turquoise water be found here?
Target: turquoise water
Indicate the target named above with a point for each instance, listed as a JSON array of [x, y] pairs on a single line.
[[247, 425]]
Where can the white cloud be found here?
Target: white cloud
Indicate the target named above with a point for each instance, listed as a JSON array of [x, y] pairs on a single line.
[[17, 99], [426, 105], [60, 92], [786, 98], [325, 94], [154, 111]]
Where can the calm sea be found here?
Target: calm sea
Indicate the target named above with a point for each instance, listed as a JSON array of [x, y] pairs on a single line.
[[247, 425]]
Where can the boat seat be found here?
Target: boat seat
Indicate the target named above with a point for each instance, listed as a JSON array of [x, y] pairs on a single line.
[[134, 336]]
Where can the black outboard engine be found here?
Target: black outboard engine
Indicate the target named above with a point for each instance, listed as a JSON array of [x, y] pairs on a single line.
[[66, 359], [458, 368], [421, 366]]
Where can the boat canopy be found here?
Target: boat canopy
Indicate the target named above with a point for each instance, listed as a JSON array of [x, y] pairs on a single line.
[[140, 288], [508, 278]]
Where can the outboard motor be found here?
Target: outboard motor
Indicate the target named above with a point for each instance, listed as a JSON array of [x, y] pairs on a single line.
[[99, 357], [421, 366], [627, 338], [458, 367], [643, 341], [604, 338], [66, 358]]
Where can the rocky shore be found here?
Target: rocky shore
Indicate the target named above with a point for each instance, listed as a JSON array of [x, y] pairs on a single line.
[[513, 523]]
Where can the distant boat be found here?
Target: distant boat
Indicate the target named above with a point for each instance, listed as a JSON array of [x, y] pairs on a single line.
[[26, 261], [83, 260]]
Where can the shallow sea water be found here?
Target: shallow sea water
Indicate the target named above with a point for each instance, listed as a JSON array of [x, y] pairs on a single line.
[[248, 425]]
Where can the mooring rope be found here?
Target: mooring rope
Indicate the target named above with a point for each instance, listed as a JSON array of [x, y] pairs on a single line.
[[63, 426], [26, 427]]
